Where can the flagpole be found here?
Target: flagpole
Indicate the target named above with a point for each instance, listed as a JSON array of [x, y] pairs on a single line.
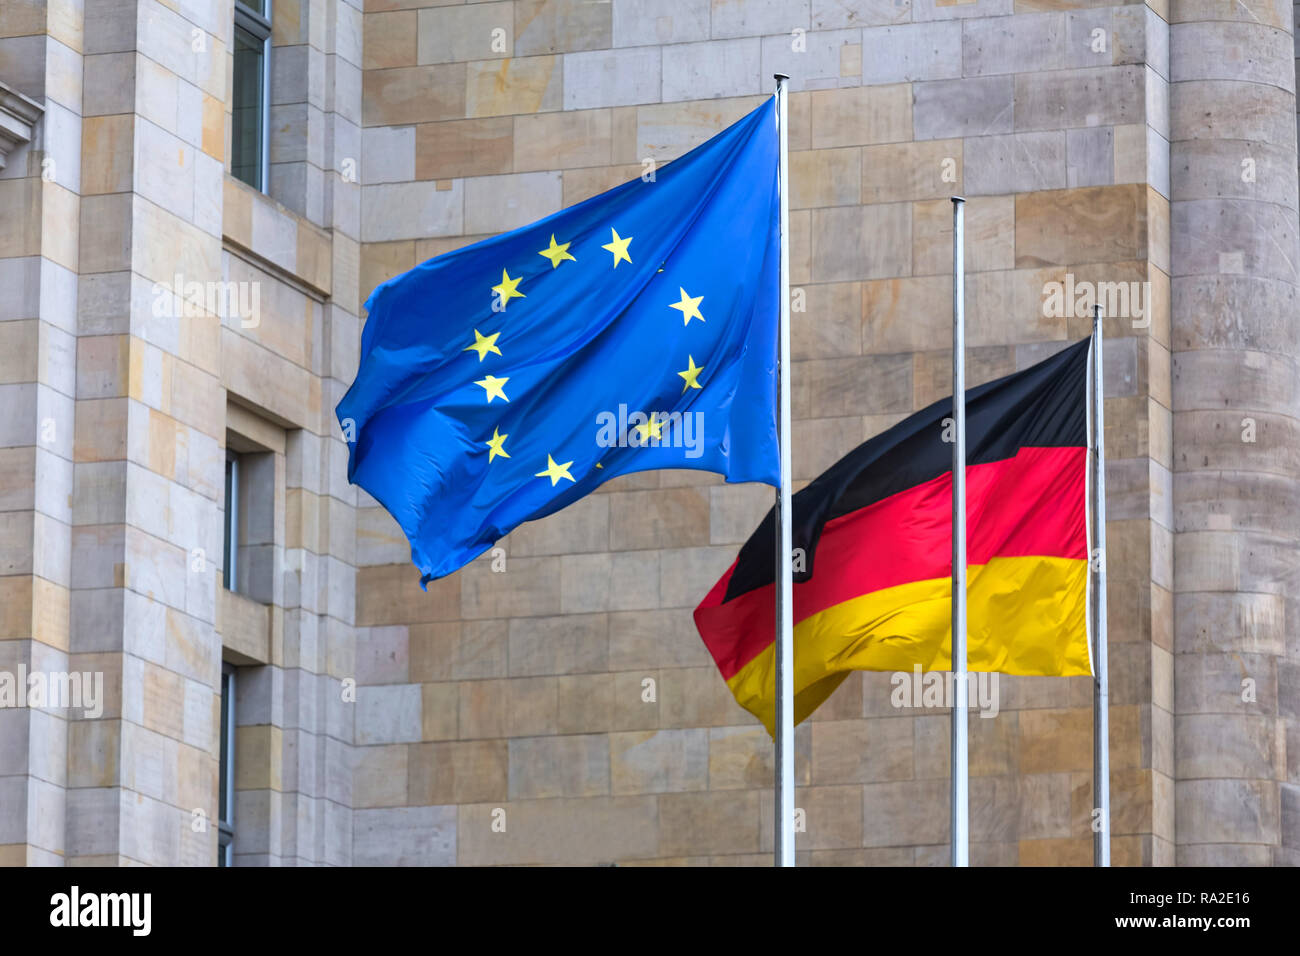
[[784, 803], [1101, 684], [960, 758]]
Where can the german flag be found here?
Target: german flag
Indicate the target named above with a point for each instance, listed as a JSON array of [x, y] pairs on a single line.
[[873, 558]]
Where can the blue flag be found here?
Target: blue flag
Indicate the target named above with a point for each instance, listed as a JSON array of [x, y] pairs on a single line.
[[633, 331]]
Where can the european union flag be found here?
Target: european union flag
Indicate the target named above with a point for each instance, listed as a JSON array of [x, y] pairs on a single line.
[[636, 330]]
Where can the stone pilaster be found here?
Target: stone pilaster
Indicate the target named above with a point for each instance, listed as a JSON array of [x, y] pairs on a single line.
[[40, 187]]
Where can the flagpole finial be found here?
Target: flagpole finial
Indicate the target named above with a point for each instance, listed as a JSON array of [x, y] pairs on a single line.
[[780, 76], [958, 199]]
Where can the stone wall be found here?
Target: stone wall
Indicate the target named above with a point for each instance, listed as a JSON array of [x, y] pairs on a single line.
[[125, 382], [1096, 144], [525, 690], [38, 356]]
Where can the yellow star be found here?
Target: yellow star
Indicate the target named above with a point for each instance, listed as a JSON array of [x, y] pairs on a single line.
[[691, 375], [653, 427], [554, 471], [496, 445], [618, 247], [493, 385], [557, 253], [483, 344], [508, 289], [689, 307]]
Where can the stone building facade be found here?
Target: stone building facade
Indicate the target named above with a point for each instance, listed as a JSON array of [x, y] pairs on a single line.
[[169, 333]]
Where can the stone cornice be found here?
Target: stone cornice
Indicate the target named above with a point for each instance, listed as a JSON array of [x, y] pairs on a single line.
[[18, 116]]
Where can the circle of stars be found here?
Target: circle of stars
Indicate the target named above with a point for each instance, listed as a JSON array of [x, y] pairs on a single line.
[[494, 387]]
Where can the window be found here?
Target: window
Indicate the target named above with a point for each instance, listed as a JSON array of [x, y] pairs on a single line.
[[255, 496], [248, 538], [226, 771], [230, 547], [250, 109]]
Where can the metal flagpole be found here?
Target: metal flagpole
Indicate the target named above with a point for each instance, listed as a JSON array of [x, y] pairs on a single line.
[[784, 842], [1101, 684], [960, 760]]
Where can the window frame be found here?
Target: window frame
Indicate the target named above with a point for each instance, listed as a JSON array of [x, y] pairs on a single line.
[[259, 26], [230, 557], [226, 770]]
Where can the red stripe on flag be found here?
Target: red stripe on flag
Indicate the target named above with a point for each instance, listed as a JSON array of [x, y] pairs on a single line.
[[1032, 504]]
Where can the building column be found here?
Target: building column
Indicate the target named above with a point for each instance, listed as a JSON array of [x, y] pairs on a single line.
[[1236, 395]]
